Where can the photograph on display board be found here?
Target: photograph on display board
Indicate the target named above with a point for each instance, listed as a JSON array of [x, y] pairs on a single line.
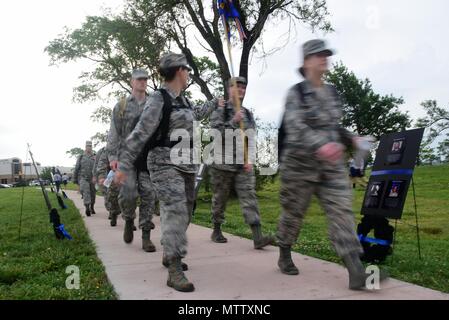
[[395, 189], [394, 193], [373, 195], [396, 151]]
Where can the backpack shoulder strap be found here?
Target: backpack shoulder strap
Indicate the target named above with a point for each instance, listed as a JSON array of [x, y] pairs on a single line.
[[249, 115], [188, 102], [299, 87], [166, 112], [122, 106], [159, 136]]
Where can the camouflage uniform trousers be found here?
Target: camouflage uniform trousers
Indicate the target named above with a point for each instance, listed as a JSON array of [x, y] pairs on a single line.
[[245, 187], [334, 195], [111, 199], [88, 192], [138, 184], [176, 191], [104, 192]]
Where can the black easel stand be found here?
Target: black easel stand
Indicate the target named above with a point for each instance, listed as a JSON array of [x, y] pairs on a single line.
[[416, 226]]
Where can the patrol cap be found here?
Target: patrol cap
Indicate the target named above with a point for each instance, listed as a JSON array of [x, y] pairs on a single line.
[[312, 47], [172, 60], [139, 74], [241, 80], [88, 143]]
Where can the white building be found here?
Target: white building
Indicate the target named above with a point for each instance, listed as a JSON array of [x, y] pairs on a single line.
[[13, 170]]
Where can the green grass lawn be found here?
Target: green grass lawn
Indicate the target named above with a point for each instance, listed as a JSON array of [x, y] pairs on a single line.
[[432, 189], [34, 265], [70, 186]]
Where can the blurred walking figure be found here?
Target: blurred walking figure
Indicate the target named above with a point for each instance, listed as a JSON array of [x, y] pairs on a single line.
[[312, 163], [57, 179], [65, 179]]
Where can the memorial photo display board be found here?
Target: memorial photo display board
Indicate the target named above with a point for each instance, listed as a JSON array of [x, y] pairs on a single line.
[[392, 172]]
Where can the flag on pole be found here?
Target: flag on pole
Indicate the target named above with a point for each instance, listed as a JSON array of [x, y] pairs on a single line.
[[228, 13]]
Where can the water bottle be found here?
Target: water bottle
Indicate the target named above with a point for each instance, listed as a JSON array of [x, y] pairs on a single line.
[[107, 183]]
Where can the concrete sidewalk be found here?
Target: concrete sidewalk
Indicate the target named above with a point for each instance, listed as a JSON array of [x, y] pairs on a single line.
[[224, 271]]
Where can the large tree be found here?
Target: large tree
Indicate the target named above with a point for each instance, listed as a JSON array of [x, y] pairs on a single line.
[[364, 111], [443, 149], [436, 119], [75, 152], [427, 154], [145, 28], [178, 19], [136, 37], [115, 46]]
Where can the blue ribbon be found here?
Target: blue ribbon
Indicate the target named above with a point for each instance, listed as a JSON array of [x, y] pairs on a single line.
[[407, 172], [381, 242], [226, 8], [64, 232]]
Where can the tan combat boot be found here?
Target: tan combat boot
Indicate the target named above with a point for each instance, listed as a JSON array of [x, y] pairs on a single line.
[[285, 262], [176, 277], [217, 236], [147, 244], [260, 240], [128, 234], [356, 271]]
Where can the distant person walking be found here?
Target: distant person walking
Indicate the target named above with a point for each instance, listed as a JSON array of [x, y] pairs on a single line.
[[57, 179], [65, 179]]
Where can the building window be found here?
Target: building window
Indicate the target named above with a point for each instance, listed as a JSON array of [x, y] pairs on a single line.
[[16, 168], [4, 181]]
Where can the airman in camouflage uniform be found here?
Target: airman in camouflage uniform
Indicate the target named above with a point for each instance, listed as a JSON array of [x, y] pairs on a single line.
[[82, 176], [174, 181], [229, 174], [101, 170], [125, 116], [312, 163]]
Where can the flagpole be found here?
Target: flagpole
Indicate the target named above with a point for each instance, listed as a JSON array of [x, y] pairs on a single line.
[[236, 100]]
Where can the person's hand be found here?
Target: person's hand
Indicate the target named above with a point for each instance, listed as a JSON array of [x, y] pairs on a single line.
[[331, 152], [120, 178], [221, 102], [94, 180], [238, 117], [248, 167], [101, 181], [114, 165]]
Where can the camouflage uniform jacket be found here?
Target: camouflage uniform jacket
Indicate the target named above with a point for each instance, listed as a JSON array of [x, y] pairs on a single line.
[[101, 167], [222, 119], [311, 122], [182, 117], [125, 116], [84, 168]]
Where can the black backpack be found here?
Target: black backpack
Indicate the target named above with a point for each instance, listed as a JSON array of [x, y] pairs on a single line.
[[160, 136]]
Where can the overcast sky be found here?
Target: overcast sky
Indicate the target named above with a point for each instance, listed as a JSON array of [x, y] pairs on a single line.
[[401, 46]]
